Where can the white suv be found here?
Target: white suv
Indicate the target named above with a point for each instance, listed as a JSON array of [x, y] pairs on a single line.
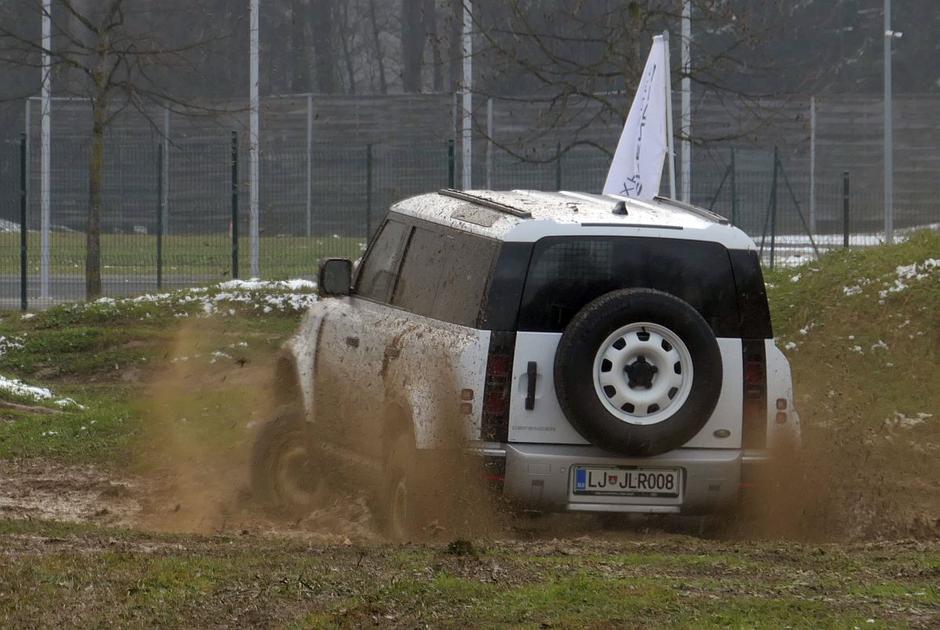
[[600, 354]]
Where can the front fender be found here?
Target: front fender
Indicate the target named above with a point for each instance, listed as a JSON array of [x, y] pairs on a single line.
[[297, 359]]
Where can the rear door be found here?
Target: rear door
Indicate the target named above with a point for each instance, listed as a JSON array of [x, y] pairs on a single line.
[[405, 341], [437, 371], [566, 273]]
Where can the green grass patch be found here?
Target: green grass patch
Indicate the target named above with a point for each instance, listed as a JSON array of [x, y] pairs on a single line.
[[78, 574], [190, 255], [106, 354], [862, 346]]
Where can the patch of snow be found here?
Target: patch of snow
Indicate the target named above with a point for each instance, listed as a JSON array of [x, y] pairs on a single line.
[[218, 354], [10, 343], [853, 290], [35, 393], [881, 345], [902, 421], [795, 278], [791, 345], [905, 274], [19, 388], [858, 349]]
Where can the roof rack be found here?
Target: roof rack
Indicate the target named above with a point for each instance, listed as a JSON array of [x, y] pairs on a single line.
[[483, 201], [702, 212]]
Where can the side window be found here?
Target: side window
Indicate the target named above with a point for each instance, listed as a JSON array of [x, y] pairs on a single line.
[[420, 272], [444, 275], [380, 267], [466, 269]]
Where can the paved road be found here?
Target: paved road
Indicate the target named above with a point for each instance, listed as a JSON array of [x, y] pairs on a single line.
[[72, 288]]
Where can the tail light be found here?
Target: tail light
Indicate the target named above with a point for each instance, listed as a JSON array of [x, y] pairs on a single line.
[[754, 431], [497, 387]]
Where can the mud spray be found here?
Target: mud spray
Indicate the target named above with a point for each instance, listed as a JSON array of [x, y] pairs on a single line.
[[850, 483], [205, 408], [203, 412]]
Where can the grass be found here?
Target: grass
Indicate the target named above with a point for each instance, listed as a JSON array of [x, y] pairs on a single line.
[[88, 575], [85, 576], [865, 355], [860, 354], [188, 255], [103, 354]]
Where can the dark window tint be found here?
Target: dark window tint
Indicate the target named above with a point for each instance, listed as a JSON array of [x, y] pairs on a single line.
[[752, 296], [444, 274], [567, 273], [505, 290], [380, 267], [420, 272], [467, 264]]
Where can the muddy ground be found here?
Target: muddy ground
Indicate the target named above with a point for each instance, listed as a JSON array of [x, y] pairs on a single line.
[[80, 547]]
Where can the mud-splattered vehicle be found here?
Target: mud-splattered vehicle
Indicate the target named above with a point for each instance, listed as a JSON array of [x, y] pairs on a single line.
[[599, 354]]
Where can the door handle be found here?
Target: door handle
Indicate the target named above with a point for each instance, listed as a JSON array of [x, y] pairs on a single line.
[[531, 374], [352, 342]]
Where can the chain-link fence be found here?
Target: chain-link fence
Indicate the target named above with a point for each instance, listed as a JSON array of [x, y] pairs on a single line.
[[169, 205]]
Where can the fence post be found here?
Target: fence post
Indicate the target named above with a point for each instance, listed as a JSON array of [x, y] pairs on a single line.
[[734, 192], [489, 143], [166, 171], [845, 209], [773, 210], [159, 217], [309, 200], [368, 192], [234, 229], [23, 233], [558, 166], [450, 164]]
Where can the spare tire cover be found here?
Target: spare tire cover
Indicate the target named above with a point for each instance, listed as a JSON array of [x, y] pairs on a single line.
[[638, 371]]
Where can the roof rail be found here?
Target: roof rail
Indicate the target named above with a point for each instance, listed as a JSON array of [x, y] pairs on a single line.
[[483, 201], [702, 212]]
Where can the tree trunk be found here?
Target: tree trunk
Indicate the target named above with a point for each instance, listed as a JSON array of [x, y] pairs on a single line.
[[346, 31], [456, 45], [413, 35], [300, 71], [321, 14], [95, 187], [380, 62], [435, 37]]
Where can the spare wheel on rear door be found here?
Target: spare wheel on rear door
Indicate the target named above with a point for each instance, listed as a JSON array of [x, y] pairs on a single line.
[[638, 371]]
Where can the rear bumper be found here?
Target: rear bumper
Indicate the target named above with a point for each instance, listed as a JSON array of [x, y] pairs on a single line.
[[539, 476]]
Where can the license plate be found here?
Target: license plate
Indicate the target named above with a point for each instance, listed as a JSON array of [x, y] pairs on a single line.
[[627, 482]]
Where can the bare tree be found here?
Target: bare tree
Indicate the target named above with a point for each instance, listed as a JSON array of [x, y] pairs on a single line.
[[377, 43], [300, 44], [322, 15], [579, 59], [113, 53], [417, 18]]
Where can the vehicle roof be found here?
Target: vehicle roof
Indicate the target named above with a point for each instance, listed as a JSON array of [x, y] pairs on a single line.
[[529, 215]]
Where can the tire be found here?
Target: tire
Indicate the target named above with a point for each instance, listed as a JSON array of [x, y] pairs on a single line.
[[638, 371], [400, 500], [283, 478]]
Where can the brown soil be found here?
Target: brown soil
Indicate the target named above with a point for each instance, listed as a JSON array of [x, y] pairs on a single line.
[[44, 490]]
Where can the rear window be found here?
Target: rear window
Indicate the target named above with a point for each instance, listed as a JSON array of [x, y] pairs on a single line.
[[565, 273]]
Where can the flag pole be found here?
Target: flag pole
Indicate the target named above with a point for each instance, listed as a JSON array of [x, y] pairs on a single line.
[[671, 149]]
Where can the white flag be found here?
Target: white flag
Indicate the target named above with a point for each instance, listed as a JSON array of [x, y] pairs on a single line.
[[638, 162]]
